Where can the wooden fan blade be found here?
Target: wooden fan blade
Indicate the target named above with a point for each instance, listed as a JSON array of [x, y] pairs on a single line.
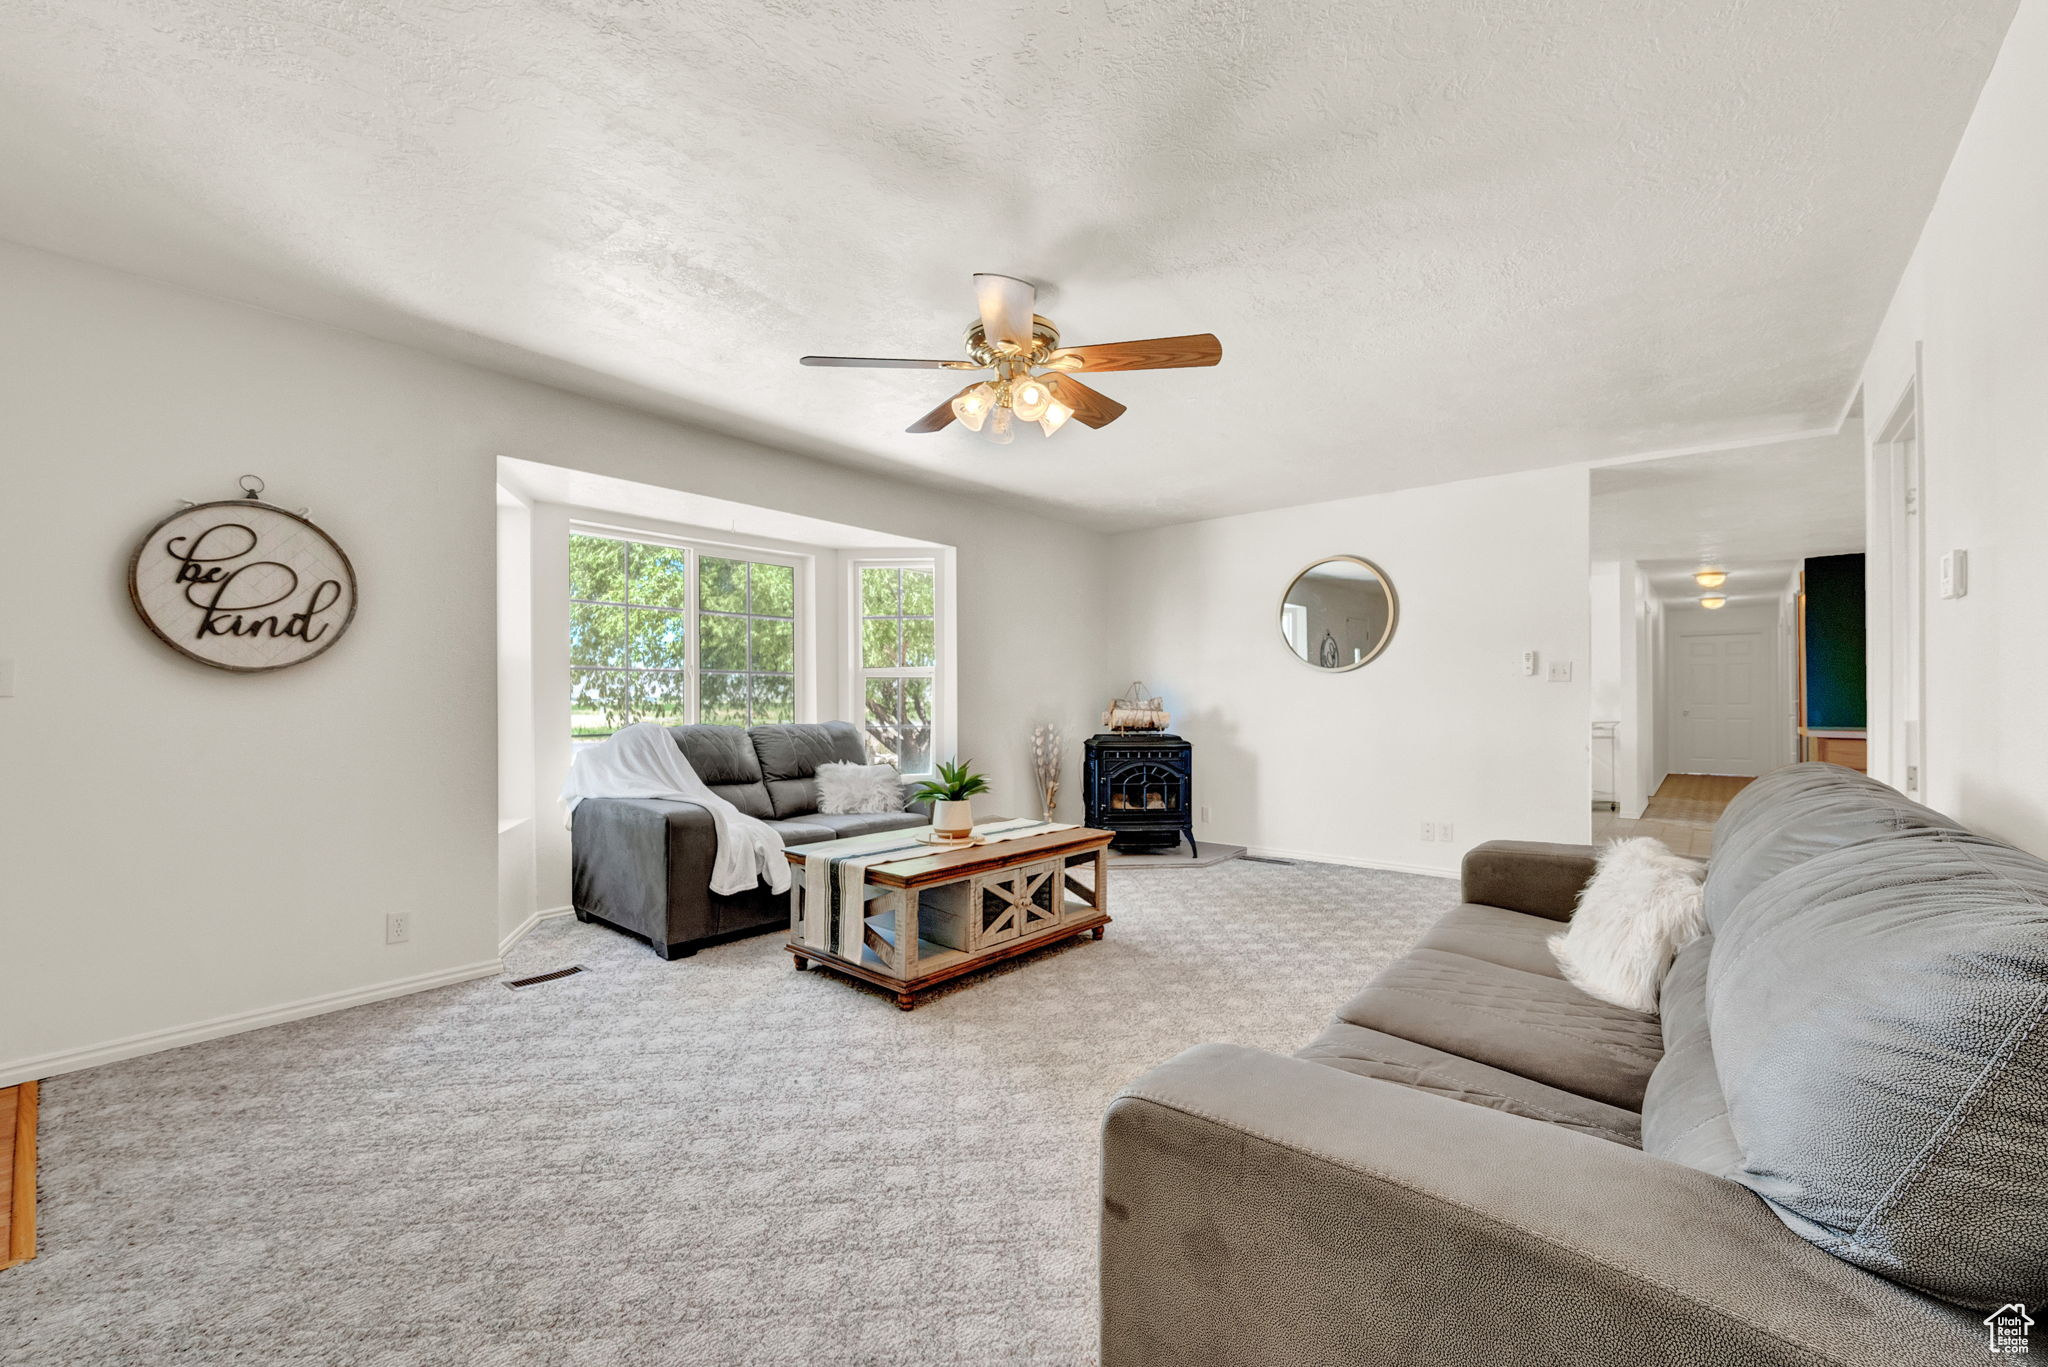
[[1159, 353], [938, 417], [1006, 307], [1090, 406], [887, 363]]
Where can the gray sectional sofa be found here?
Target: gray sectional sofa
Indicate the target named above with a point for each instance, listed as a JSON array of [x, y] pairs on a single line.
[[1830, 1146], [644, 865]]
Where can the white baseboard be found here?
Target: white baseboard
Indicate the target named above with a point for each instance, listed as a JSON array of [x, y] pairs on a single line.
[[519, 932], [1349, 861], [154, 1041]]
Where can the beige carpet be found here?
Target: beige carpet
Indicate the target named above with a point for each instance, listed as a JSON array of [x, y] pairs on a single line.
[[717, 1160]]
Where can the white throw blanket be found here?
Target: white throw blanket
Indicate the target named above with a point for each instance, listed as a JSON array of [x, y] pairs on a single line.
[[643, 760]]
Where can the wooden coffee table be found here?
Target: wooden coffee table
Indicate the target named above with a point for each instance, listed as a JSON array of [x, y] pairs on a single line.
[[976, 906]]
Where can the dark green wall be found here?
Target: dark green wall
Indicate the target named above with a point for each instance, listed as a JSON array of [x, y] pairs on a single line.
[[1834, 643]]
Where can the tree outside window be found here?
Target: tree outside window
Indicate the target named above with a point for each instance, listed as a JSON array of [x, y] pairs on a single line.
[[898, 663], [632, 617]]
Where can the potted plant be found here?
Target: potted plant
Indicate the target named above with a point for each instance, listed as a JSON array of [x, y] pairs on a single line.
[[950, 795]]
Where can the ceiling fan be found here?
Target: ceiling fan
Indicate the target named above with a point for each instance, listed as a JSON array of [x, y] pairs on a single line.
[[1034, 375]]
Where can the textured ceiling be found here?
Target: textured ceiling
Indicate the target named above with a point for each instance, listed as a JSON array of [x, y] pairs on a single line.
[[1438, 240], [1755, 512], [1770, 502]]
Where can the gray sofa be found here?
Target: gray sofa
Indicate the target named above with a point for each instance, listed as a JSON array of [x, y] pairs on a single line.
[[1828, 1143], [644, 865]]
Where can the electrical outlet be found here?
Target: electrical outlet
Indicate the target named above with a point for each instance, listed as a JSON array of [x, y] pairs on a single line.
[[1443, 830], [397, 927], [1560, 671], [1529, 664], [1429, 830], [1205, 813]]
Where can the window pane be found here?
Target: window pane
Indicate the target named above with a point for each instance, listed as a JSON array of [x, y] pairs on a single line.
[[660, 697], [774, 591], [600, 700], [878, 597], [597, 567], [774, 647], [774, 698], [916, 727], [725, 641], [658, 639], [722, 699], [660, 576], [722, 585], [917, 642], [917, 593], [597, 635], [879, 643], [883, 705]]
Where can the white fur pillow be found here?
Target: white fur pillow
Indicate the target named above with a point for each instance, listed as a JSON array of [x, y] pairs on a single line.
[[859, 788], [1641, 908]]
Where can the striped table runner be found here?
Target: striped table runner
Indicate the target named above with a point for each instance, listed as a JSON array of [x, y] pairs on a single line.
[[835, 875]]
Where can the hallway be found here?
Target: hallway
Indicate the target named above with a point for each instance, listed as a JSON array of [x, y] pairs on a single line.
[[1681, 813]]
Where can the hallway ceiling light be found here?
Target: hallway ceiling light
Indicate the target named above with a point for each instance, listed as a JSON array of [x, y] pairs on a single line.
[[1711, 579], [1712, 601]]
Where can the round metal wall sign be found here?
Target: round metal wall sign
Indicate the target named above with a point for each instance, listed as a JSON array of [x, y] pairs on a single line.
[[242, 585]]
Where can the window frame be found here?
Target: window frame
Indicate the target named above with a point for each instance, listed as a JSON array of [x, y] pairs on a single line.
[[858, 674], [801, 566]]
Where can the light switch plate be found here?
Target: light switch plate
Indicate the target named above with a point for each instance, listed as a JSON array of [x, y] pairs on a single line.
[[1560, 671], [1955, 574]]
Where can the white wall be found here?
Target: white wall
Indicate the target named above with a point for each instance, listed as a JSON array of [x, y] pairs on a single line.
[[184, 851], [1639, 651], [1442, 727], [1604, 658], [1975, 302], [517, 898]]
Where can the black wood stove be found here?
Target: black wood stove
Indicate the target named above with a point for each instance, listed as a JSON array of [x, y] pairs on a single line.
[[1141, 784]]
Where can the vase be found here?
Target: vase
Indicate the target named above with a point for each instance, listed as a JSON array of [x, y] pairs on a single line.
[[953, 820]]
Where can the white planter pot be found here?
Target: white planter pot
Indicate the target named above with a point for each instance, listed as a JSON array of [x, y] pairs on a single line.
[[953, 820]]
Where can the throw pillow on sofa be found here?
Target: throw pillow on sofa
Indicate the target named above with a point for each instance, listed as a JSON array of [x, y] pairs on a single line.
[[844, 788], [1641, 908]]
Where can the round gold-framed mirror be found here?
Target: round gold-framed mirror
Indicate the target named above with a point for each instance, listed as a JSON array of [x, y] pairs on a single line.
[[1339, 613]]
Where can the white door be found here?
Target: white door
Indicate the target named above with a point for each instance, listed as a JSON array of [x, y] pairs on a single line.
[[1723, 703]]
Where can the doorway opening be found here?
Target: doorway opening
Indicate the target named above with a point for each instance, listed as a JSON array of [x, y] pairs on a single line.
[[1704, 569]]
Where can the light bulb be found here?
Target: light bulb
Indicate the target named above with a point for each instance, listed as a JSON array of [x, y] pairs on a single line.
[[1029, 396], [1710, 579], [1712, 601], [1056, 415], [1001, 427], [972, 408]]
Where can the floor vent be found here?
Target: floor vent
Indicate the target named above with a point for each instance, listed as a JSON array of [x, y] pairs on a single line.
[[537, 979], [1263, 859]]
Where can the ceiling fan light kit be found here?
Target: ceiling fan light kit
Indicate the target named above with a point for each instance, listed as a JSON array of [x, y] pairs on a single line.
[[1034, 376]]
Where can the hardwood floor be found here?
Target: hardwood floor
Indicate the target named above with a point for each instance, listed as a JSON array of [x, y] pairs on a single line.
[[17, 1174], [1681, 813]]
